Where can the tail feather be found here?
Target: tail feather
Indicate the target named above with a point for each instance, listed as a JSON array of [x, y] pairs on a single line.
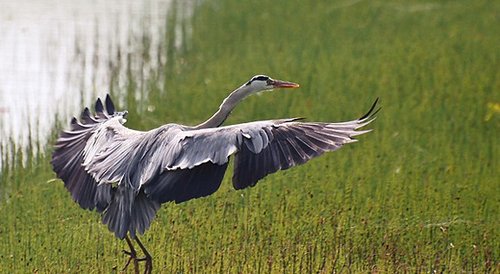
[[129, 211], [143, 213], [103, 196], [117, 215]]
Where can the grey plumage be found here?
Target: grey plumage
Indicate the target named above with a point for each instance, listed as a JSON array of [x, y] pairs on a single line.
[[126, 174]]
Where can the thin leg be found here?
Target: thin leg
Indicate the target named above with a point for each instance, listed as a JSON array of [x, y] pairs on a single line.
[[133, 256], [147, 257]]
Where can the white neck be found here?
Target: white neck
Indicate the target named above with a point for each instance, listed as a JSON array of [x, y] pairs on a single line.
[[226, 107]]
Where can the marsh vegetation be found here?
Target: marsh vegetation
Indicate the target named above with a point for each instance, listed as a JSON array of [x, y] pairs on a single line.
[[418, 194]]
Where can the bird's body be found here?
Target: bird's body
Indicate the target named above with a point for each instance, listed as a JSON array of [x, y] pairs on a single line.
[[127, 174]]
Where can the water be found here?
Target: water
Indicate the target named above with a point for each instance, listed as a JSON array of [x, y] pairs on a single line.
[[56, 56]]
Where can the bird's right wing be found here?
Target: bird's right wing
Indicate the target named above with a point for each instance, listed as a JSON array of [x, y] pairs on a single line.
[[289, 144], [292, 143], [260, 148]]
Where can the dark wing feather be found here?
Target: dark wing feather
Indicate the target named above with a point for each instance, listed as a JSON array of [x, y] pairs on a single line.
[[68, 156], [184, 184], [291, 144]]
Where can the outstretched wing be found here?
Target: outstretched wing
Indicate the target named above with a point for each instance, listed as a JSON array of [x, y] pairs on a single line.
[[260, 148], [289, 144], [70, 151]]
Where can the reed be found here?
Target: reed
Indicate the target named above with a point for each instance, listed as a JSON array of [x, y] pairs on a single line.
[[418, 194]]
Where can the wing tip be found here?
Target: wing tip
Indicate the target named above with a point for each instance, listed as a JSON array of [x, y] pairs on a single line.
[[98, 105], [110, 106], [371, 113]]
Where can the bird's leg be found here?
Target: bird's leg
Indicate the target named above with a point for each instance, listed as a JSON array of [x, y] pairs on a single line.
[[133, 256], [147, 257]]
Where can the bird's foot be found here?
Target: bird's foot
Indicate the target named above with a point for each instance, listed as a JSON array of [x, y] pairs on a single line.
[[148, 268], [133, 257], [147, 257]]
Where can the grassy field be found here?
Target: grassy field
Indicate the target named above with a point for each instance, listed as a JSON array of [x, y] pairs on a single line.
[[418, 194]]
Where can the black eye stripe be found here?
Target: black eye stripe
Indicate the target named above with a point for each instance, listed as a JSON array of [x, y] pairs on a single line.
[[258, 78], [261, 78]]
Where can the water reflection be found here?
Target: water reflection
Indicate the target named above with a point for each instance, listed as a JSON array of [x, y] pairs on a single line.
[[56, 56]]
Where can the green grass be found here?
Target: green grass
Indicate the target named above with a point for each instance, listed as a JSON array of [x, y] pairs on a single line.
[[419, 194]]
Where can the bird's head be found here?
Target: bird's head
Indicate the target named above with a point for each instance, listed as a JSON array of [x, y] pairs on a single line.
[[262, 82]]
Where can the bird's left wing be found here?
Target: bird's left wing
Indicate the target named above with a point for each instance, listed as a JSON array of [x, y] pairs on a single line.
[[86, 137]]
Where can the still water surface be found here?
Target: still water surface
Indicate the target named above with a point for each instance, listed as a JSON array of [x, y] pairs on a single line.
[[56, 56]]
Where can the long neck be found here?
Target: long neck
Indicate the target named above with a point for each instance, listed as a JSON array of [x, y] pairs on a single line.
[[225, 108]]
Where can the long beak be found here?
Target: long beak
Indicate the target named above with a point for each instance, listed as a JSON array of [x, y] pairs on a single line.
[[284, 84]]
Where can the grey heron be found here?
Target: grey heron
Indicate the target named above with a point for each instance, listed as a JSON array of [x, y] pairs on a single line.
[[126, 174]]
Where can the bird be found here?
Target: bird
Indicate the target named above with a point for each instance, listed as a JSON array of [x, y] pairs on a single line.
[[126, 174]]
